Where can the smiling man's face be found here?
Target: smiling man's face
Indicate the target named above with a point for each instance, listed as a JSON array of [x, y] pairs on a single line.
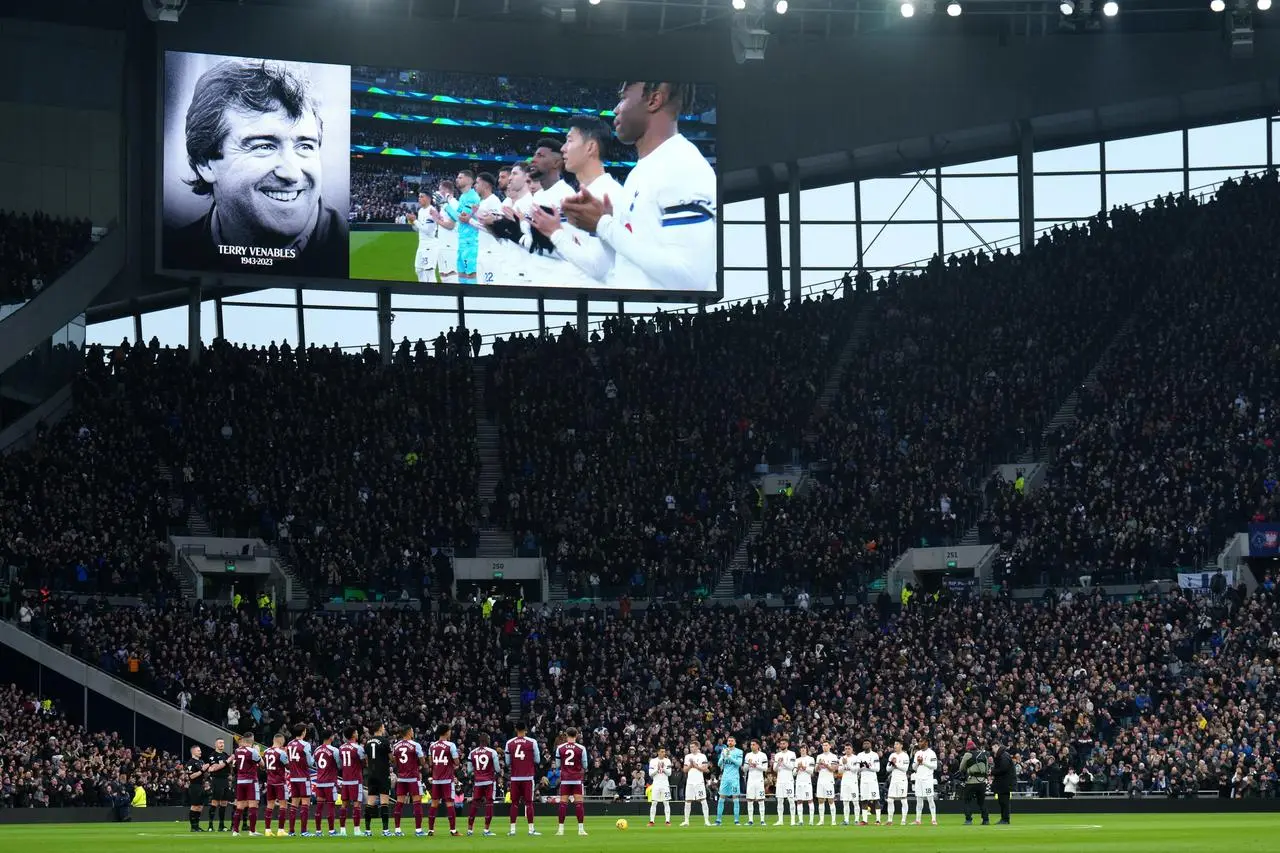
[[267, 182]]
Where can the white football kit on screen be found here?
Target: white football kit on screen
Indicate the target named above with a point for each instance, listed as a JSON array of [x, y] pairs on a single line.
[[424, 261], [590, 256], [662, 229]]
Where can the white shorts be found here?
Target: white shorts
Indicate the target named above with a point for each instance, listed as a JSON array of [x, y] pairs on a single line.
[[755, 789], [826, 789], [662, 793], [488, 266], [868, 790], [924, 788], [804, 789], [424, 264], [786, 789], [447, 258], [848, 791], [897, 787], [694, 791]]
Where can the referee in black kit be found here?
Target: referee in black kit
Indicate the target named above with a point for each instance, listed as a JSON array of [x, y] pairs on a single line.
[[219, 784], [195, 769]]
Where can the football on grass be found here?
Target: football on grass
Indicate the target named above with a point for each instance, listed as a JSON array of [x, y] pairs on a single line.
[[622, 823]]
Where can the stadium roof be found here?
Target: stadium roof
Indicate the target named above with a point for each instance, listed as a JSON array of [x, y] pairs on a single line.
[[805, 19]]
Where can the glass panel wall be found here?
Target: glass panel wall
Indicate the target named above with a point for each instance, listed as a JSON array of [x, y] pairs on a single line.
[[893, 220]]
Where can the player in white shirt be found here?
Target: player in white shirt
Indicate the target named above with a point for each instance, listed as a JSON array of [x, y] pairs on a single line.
[[660, 776], [583, 151], [663, 228], [695, 782], [784, 768], [849, 783], [868, 781], [926, 765], [487, 259], [804, 783], [899, 766], [424, 262], [446, 235], [550, 190], [755, 763], [518, 208], [828, 764]]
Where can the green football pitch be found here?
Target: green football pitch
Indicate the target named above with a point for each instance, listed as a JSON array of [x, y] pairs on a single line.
[[383, 255], [1118, 833]]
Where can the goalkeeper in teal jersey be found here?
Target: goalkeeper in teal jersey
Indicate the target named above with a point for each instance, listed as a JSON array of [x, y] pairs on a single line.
[[730, 780]]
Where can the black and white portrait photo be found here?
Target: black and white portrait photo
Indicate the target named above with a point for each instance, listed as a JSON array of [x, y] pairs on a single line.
[[256, 166]]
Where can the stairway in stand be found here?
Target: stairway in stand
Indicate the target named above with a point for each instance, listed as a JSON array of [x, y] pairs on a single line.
[[726, 588], [495, 541], [1066, 414], [175, 502], [513, 693], [835, 376]]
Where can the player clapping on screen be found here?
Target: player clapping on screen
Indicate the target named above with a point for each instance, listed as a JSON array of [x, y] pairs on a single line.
[[662, 226], [584, 151], [424, 262], [804, 783]]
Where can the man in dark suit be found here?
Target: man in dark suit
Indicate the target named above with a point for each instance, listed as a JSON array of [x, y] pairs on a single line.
[[1003, 777], [253, 138]]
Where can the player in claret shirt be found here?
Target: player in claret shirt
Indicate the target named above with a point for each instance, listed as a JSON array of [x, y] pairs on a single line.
[[573, 767], [246, 759], [276, 762], [407, 757], [350, 778], [484, 774], [523, 758], [300, 765], [327, 759], [443, 753]]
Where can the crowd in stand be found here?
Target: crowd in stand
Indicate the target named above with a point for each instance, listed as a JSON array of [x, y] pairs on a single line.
[[85, 508], [530, 90], [497, 147], [625, 455], [46, 761], [1166, 694], [259, 670], [1173, 446], [35, 249], [964, 364]]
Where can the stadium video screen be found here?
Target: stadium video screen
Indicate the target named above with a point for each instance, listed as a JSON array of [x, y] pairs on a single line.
[[437, 180]]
